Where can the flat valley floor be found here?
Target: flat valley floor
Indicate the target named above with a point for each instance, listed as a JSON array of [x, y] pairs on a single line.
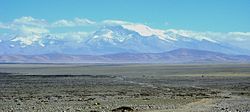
[[124, 87]]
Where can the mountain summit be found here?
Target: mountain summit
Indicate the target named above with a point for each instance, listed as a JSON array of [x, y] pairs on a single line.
[[111, 39]]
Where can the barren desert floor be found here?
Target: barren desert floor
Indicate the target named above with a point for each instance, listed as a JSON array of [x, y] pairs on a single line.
[[124, 87]]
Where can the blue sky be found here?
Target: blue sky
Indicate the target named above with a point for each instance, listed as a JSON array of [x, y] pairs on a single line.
[[195, 15]]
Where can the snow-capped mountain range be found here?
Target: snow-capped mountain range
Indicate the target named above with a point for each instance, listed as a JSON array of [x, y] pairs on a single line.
[[114, 43], [111, 39]]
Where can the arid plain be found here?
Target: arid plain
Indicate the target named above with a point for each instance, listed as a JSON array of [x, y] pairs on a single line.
[[124, 87]]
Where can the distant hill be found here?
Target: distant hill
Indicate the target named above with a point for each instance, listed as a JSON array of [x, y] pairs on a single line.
[[181, 55]]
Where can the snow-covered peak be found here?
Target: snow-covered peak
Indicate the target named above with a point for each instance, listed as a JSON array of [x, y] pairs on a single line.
[[190, 34], [27, 40], [108, 34], [146, 31], [141, 29]]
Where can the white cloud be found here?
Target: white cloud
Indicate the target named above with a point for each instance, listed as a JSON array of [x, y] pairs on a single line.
[[63, 23], [24, 19], [41, 23], [3, 26], [240, 39], [34, 30], [25, 25], [239, 36], [72, 36], [239, 33], [116, 22], [72, 23], [81, 21], [30, 21]]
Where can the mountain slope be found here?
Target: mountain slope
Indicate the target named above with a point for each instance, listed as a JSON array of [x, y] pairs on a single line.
[[174, 56], [112, 39]]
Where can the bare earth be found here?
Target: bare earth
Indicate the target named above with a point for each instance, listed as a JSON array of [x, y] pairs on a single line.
[[124, 87]]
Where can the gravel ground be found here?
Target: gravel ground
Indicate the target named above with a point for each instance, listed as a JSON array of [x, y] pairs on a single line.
[[138, 88]]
